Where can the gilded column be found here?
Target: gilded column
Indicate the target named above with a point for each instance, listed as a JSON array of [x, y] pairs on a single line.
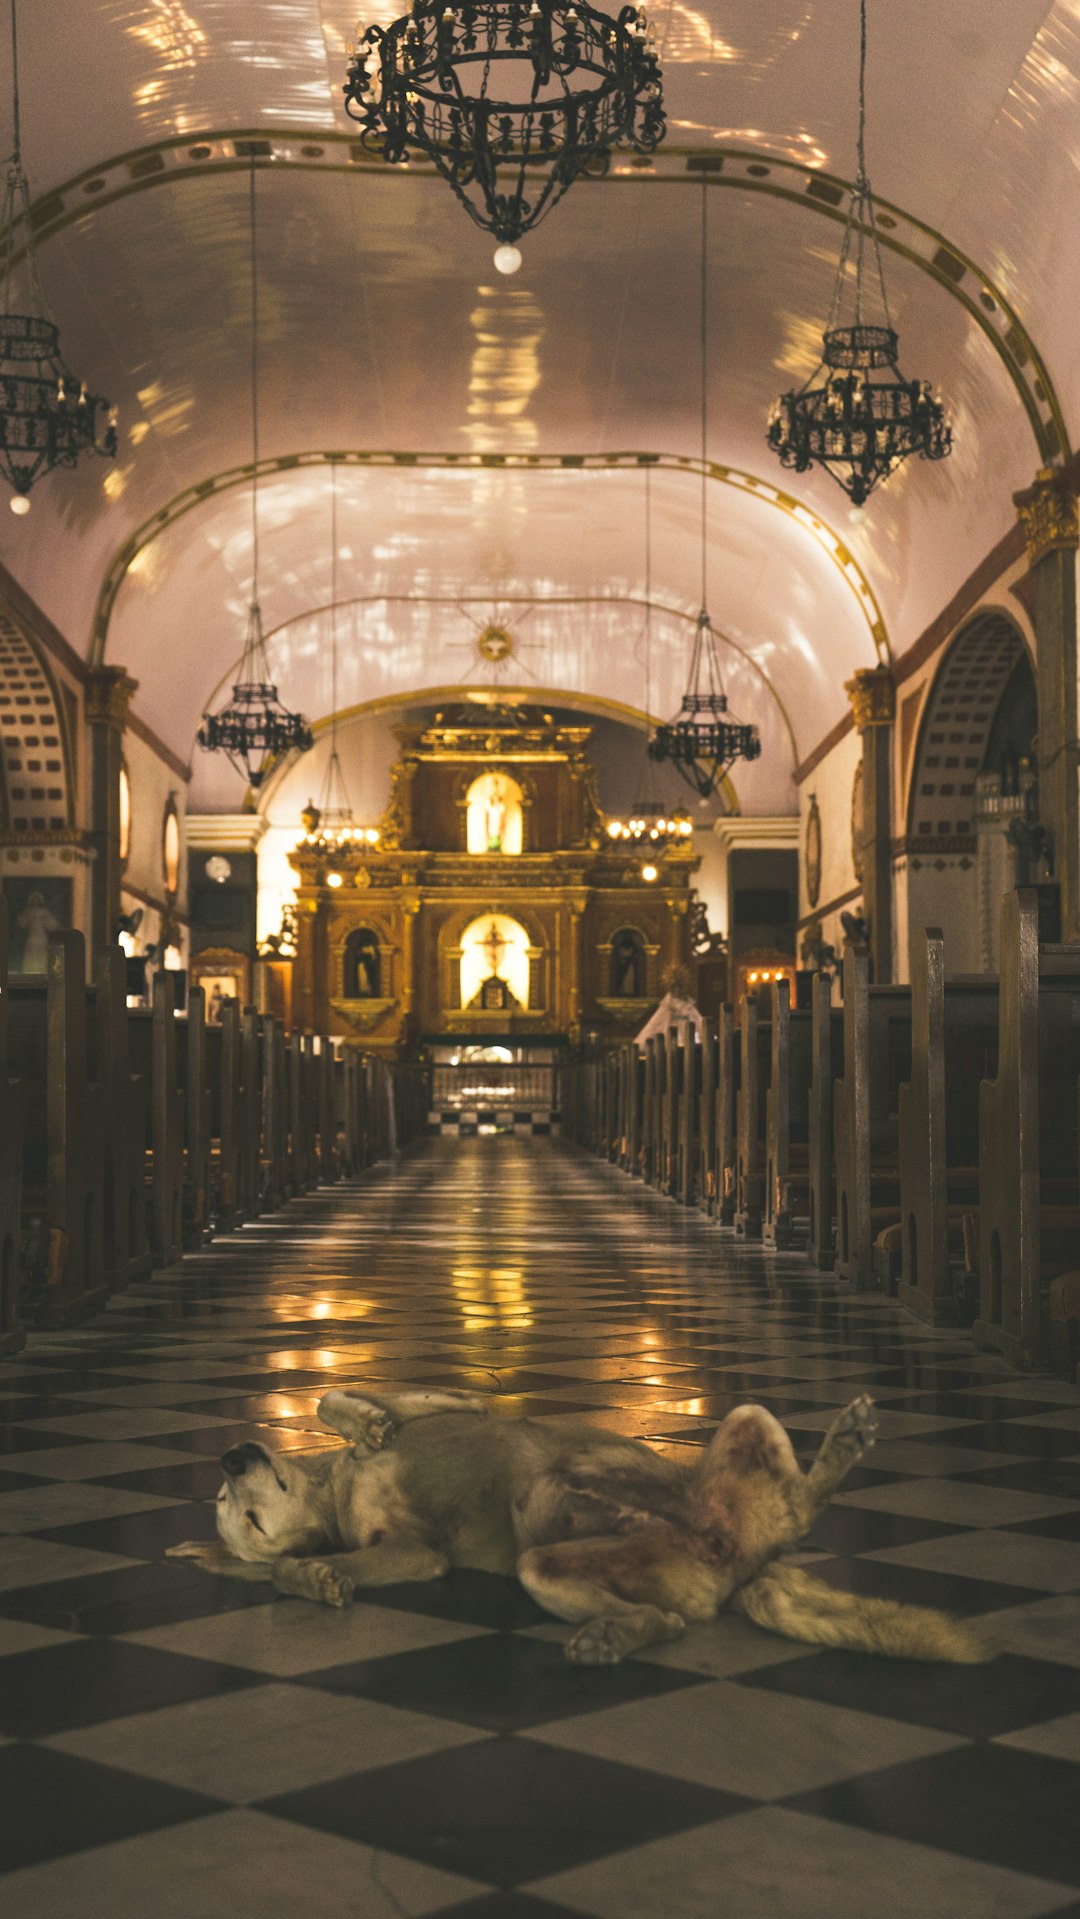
[[872, 693], [107, 698], [1048, 515]]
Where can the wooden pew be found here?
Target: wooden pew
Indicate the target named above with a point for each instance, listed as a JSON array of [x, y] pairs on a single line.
[[328, 1157], [273, 1114], [688, 1126], [635, 1135], [223, 1052], [12, 1330], [63, 1139], [787, 1121], [650, 1158], [670, 1059], [877, 1056], [954, 1038], [193, 1065], [1029, 1161], [706, 1174], [728, 1052], [826, 1066], [755, 1062], [166, 1133], [126, 1247]]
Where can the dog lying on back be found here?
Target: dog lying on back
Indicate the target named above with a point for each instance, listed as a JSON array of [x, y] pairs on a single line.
[[623, 1542]]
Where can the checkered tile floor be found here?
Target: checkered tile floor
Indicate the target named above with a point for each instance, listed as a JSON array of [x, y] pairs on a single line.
[[184, 1746]]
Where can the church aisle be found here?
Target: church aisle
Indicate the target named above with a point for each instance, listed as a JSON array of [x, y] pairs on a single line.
[[186, 1745]]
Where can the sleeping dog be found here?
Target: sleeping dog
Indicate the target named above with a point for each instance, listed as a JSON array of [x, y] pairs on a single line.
[[623, 1542]]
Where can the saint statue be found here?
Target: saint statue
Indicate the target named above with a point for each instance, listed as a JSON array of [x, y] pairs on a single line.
[[37, 922], [495, 818]]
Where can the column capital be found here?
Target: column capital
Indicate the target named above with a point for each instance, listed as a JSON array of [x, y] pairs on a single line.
[[109, 691], [1048, 514], [872, 692]]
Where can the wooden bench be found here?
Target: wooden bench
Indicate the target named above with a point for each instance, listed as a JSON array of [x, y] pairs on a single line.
[[728, 1053], [706, 1135], [877, 1057], [826, 1066], [1029, 1161], [688, 1116], [126, 1245], [12, 1330], [954, 1041], [193, 1067], [63, 1139], [755, 1060], [787, 1122]]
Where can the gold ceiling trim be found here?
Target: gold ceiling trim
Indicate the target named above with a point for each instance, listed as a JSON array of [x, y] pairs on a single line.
[[592, 703], [763, 491], [167, 161]]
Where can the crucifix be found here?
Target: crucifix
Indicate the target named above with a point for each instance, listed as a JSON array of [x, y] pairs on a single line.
[[494, 946]]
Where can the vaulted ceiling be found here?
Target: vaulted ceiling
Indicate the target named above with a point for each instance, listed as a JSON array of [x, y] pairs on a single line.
[[482, 435]]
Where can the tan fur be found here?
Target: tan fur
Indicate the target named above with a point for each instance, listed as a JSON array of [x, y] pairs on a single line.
[[605, 1533]]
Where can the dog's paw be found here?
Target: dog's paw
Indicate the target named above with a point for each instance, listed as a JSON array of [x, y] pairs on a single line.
[[602, 1642], [330, 1587], [858, 1423], [376, 1433], [205, 1549]]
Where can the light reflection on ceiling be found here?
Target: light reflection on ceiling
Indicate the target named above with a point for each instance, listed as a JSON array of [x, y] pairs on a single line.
[[383, 330]]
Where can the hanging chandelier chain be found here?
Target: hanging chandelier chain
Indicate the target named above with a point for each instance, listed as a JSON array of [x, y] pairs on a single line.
[[704, 330], [254, 388], [333, 608], [648, 595], [16, 118]]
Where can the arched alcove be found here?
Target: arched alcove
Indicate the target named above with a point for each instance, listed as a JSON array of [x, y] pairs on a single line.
[[494, 815], [362, 964], [973, 774], [495, 947]]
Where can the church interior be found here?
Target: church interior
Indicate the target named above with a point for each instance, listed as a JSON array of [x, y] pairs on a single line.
[[539, 959]]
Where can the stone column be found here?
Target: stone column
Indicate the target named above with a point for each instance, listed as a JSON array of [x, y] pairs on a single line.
[[1048, 514], [107, 698], [872, 693]]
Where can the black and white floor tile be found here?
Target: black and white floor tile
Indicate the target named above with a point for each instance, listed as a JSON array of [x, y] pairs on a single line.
[[188, 1746]]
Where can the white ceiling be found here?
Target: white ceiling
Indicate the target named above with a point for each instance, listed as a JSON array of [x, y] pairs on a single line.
[[385, 330]]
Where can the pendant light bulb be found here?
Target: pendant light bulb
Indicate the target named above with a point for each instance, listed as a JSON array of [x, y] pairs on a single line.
[[19, 504], [508, 259]]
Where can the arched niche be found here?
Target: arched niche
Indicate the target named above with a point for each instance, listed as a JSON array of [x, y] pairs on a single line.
[[361, 964], [495, 947], [494, 815], [973, 775], [628, 964]]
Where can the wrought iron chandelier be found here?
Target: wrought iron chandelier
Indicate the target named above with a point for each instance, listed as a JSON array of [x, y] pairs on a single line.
[[47, 417], [510, 100], [648, 819], [856, 415], [255, 729], [702, 742]]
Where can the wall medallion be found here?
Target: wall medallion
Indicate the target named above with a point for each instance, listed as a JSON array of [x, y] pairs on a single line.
[[812, 852]]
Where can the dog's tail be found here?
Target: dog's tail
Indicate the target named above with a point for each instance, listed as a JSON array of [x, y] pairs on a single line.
[[786, 1600]]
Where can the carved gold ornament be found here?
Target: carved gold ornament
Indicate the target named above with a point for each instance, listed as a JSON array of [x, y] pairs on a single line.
[[872, 692], [1048, 515]]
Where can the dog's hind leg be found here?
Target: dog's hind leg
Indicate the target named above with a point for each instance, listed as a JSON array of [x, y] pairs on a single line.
[[786, 1600], [851, 1434], [610, 1587], [370, 1420]]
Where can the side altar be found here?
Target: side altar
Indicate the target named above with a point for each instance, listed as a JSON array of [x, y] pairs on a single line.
[[491, 904]]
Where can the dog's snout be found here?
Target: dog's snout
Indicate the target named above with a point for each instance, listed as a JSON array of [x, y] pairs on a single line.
[[238, 1458]]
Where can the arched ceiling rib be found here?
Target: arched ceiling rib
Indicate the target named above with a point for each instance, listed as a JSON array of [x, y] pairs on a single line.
[[383, 330]]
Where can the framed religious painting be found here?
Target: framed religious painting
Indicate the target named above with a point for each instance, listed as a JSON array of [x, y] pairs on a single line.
[[36, 908], [223, 975]]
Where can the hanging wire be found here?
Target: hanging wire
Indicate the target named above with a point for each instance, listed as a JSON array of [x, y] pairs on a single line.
[[704, 385], [16, 199], [254, 386], [862, 216], [648, 595], [16, 152]]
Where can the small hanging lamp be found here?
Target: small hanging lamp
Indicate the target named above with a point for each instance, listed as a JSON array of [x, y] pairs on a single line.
[[47, 416], [856, 415], [255, 729], [702, 742]]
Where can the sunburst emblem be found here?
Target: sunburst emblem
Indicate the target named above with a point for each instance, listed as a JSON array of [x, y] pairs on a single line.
[[496, 641]]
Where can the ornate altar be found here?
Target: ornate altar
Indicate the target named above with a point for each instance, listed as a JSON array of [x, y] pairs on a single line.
[[492, 902]]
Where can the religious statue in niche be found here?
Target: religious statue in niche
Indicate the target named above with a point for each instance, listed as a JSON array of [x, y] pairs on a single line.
[[627, 964], [495, 818], [494, 815], [362, 964]]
